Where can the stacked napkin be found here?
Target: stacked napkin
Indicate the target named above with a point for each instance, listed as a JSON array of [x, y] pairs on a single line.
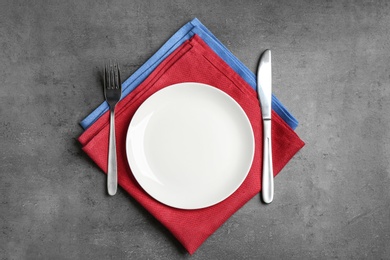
[[186, 32], [193, 61]]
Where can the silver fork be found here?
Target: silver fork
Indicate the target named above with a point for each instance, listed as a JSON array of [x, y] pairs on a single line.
[[112, 92]]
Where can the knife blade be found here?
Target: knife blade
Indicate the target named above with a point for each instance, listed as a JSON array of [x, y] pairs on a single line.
[[264, 91]]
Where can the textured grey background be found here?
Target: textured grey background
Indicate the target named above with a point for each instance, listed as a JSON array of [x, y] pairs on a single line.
[[331, 69]]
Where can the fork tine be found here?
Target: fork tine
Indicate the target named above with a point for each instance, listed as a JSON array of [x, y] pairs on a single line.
[[114, 83], [112, 77], [108, 75], [104, 77], [119, 77]]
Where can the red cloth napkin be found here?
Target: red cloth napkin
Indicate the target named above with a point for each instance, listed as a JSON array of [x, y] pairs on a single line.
[[194, 61]]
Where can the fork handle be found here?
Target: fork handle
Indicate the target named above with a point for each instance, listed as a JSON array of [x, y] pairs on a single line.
[[112, 175]]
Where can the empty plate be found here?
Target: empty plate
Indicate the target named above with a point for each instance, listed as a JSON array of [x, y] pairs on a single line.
[[190, 145]]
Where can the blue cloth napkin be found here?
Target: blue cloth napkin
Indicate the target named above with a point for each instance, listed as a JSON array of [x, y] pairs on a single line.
[[186, 32]]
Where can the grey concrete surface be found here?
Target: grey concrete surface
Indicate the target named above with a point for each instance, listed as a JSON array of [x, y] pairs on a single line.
[[331, 69]]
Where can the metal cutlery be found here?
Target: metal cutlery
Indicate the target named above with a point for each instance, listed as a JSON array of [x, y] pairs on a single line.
[[112, 92], [264, 91]]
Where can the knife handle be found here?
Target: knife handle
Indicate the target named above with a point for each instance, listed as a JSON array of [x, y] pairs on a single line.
[[268, 174]]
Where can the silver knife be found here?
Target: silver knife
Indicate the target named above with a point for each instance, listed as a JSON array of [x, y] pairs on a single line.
[[264, 91]]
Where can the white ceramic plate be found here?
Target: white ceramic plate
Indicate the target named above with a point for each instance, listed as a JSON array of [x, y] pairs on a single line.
[[190, 145]]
